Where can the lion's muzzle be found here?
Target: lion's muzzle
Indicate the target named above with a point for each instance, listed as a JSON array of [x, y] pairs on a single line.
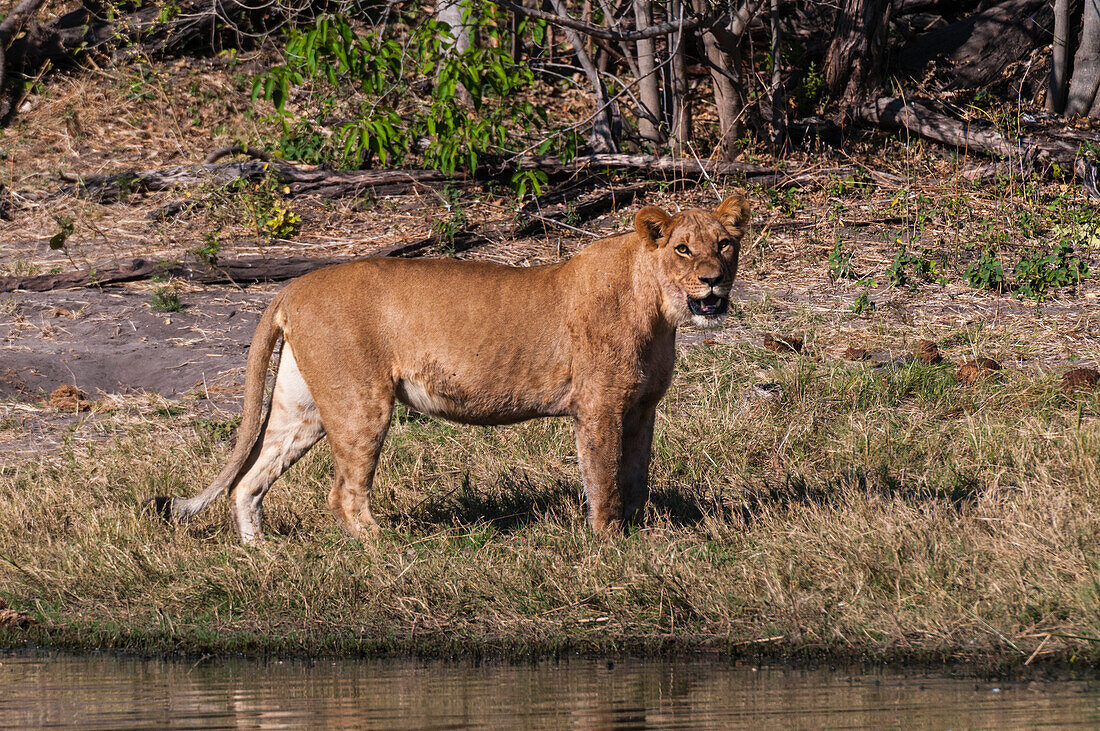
[[713, 305]]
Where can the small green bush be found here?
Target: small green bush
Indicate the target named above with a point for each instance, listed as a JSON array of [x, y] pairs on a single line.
[[1038, 273], [986, 272]]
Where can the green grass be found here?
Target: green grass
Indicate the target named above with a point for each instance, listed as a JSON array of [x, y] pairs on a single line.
[[887, 513]]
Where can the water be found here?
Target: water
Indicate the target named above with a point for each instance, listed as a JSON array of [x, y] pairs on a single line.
[[110, 692]]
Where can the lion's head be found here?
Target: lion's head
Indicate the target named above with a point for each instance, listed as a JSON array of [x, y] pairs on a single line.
[[696, 257]]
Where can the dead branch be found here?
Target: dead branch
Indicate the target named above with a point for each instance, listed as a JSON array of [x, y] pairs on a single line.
[[681, 26], [1088, 172], [300, 180], [668, 165], [240, 271], [352, 183], [920, 118], [251, 270], [584, 211]]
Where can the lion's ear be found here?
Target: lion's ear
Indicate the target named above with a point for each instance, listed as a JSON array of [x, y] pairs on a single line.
[[734, 214], [652, 224]]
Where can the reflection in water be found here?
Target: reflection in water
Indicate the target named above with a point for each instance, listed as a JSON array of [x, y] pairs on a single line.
[[112, 692]]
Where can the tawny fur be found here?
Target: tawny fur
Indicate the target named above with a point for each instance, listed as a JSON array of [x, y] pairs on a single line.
[[592, 338]]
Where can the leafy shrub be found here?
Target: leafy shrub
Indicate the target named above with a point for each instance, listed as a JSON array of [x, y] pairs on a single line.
[[1037, 273], [840, 262], [165, 299], [207, 251], [909, 269], [986, 272], [265, 208], [863, 304], [458, 220], [400, 94], [279, 222]]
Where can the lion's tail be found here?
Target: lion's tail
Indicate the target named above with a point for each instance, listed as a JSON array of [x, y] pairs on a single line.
[[255, 416]]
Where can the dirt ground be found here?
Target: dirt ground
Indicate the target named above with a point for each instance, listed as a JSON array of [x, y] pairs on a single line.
[[111, 343]]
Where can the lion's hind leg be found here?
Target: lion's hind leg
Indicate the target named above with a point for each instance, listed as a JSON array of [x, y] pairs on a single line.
[[293, 426]]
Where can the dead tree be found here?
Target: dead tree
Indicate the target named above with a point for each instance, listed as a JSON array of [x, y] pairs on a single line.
[[680, 105], [853, 64], [1083, 95], [649, 87], [779, 95], [603, 138], [11, 25], [722, 45]]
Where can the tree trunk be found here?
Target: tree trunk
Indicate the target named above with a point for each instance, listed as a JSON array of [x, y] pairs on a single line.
[[453, 13], [1083, 99], [649, 86], [681, 105], [853, 63], [722, 46], [779, 92], [1060, 68], [976, 50], [603, 134]]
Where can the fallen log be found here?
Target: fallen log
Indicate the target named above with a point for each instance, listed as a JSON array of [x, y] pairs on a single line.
[[581, 212], [667, 165], [352, 183], [241, 271], [921, 118], [249, 270], [300, 180], [979, 47]]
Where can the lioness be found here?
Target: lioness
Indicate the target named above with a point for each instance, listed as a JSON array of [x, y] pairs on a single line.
[[592, 338]]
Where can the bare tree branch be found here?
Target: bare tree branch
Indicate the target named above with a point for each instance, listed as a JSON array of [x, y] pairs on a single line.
[[688, 24]]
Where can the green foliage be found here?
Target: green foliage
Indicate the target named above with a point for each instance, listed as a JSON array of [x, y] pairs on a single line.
[[279, 222], [782, 198], [400, 93], [266, 210], [909, 269], [986, 272], [533, 180], [65, 228], [303, 141], [207, 251], [863, 304], [1038, 273], [840, 262], [168, 12], [849, 184], [809, 92], [458, 220], [165, 299]]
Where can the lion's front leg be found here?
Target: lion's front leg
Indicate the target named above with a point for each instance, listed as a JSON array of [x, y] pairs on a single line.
[[599, 446], [634, 472]]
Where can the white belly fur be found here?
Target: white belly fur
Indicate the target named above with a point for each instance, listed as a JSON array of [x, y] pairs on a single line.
[[416, 395]]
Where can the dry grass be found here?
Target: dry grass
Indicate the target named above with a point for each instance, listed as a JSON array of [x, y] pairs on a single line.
[[870, 512], [885, 512]]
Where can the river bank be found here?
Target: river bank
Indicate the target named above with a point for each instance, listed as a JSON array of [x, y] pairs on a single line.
[[859, 512]]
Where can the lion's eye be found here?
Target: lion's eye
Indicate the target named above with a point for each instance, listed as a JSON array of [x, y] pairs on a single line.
[[725, 244], [683, 250]]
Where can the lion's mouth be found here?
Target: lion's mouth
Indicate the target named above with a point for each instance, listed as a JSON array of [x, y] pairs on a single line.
[[710, 306]]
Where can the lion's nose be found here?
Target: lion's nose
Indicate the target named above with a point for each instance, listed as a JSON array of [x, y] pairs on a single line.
[[711, 281]]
